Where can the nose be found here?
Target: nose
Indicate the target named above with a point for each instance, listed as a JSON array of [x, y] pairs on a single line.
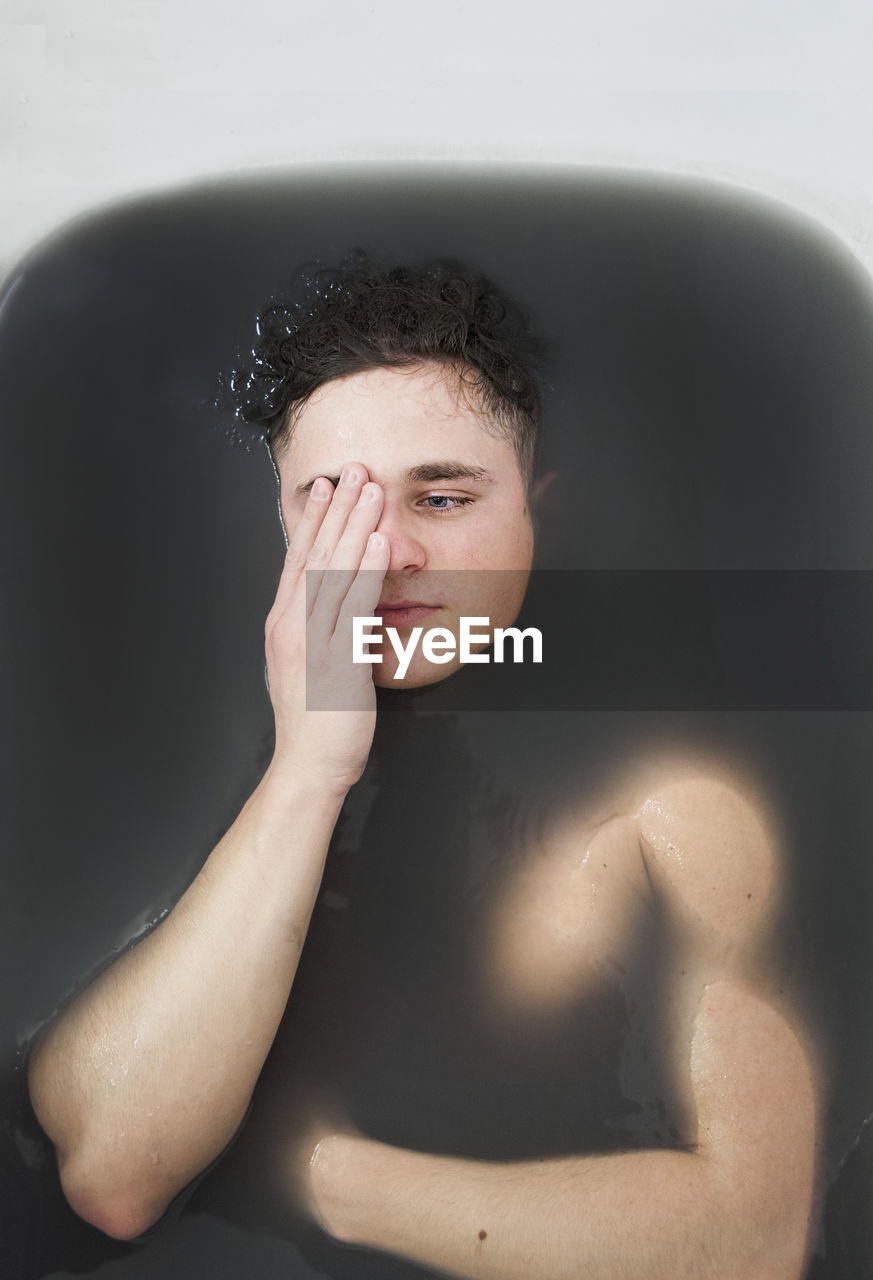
[[407, 550]]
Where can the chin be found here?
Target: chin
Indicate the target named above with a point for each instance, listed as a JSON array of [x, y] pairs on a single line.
[[417, 677]]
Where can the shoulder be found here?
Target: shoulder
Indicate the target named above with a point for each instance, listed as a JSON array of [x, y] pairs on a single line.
[[568, 912], [709, 841]]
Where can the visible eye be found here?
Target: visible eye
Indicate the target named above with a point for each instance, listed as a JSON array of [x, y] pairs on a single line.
[[441, 503]]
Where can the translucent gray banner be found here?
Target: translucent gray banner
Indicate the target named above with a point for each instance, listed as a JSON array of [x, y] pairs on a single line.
[[792, 640]]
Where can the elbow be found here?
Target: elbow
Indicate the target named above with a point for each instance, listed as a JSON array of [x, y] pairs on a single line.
[[783, 1247], [107, 1186], [100, 1200], [120, 1211], [765, 1237]]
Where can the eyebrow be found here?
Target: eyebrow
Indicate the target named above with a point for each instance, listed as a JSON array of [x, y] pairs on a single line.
[[426, 473]]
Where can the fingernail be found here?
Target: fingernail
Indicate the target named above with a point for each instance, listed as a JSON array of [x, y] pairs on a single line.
[[375, 542], [348, 477], [321, 489]]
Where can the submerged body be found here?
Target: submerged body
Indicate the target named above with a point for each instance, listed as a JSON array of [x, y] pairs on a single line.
[[535, 1024], [147, 1076]]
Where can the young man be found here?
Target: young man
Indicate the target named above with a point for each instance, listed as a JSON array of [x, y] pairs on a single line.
[[402, 422]]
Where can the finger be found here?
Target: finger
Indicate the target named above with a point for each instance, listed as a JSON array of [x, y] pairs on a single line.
[[343, 502], [363, 594], [302, 541], [345, 496], [362, 520], [327, 590]]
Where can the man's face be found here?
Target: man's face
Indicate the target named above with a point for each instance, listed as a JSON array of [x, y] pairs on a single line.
[[454, 499]]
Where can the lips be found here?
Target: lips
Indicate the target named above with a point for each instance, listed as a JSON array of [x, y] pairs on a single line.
[[404, 613]]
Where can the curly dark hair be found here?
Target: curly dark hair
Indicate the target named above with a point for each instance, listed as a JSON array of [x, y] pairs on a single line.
[[363, 315]]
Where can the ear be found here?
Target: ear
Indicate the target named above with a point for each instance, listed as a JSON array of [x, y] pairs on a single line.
[[542, 486]]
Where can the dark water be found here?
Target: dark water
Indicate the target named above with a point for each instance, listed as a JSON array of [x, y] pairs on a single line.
[[709, 396]]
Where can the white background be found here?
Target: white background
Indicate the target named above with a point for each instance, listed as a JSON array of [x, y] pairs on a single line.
[[101, 99]]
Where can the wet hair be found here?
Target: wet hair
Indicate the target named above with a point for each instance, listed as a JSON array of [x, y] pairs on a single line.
[[363, 315]]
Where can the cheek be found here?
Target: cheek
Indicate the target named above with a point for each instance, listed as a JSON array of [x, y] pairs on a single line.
[[508, 545], [507, 593], [498, 535]]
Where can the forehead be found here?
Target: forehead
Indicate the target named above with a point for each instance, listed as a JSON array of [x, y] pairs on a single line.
[[389, 419]]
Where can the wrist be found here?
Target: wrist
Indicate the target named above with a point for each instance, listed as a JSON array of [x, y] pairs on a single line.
[[288, 783], [296, 768], [289, 811], [339, 1177]]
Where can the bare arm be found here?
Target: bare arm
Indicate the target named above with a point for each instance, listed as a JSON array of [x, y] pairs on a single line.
[[143, 1079], [736, 1207]]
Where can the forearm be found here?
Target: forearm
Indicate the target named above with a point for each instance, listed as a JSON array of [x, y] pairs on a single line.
[[656, 1215], [737, 1208], [144, 1078]]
